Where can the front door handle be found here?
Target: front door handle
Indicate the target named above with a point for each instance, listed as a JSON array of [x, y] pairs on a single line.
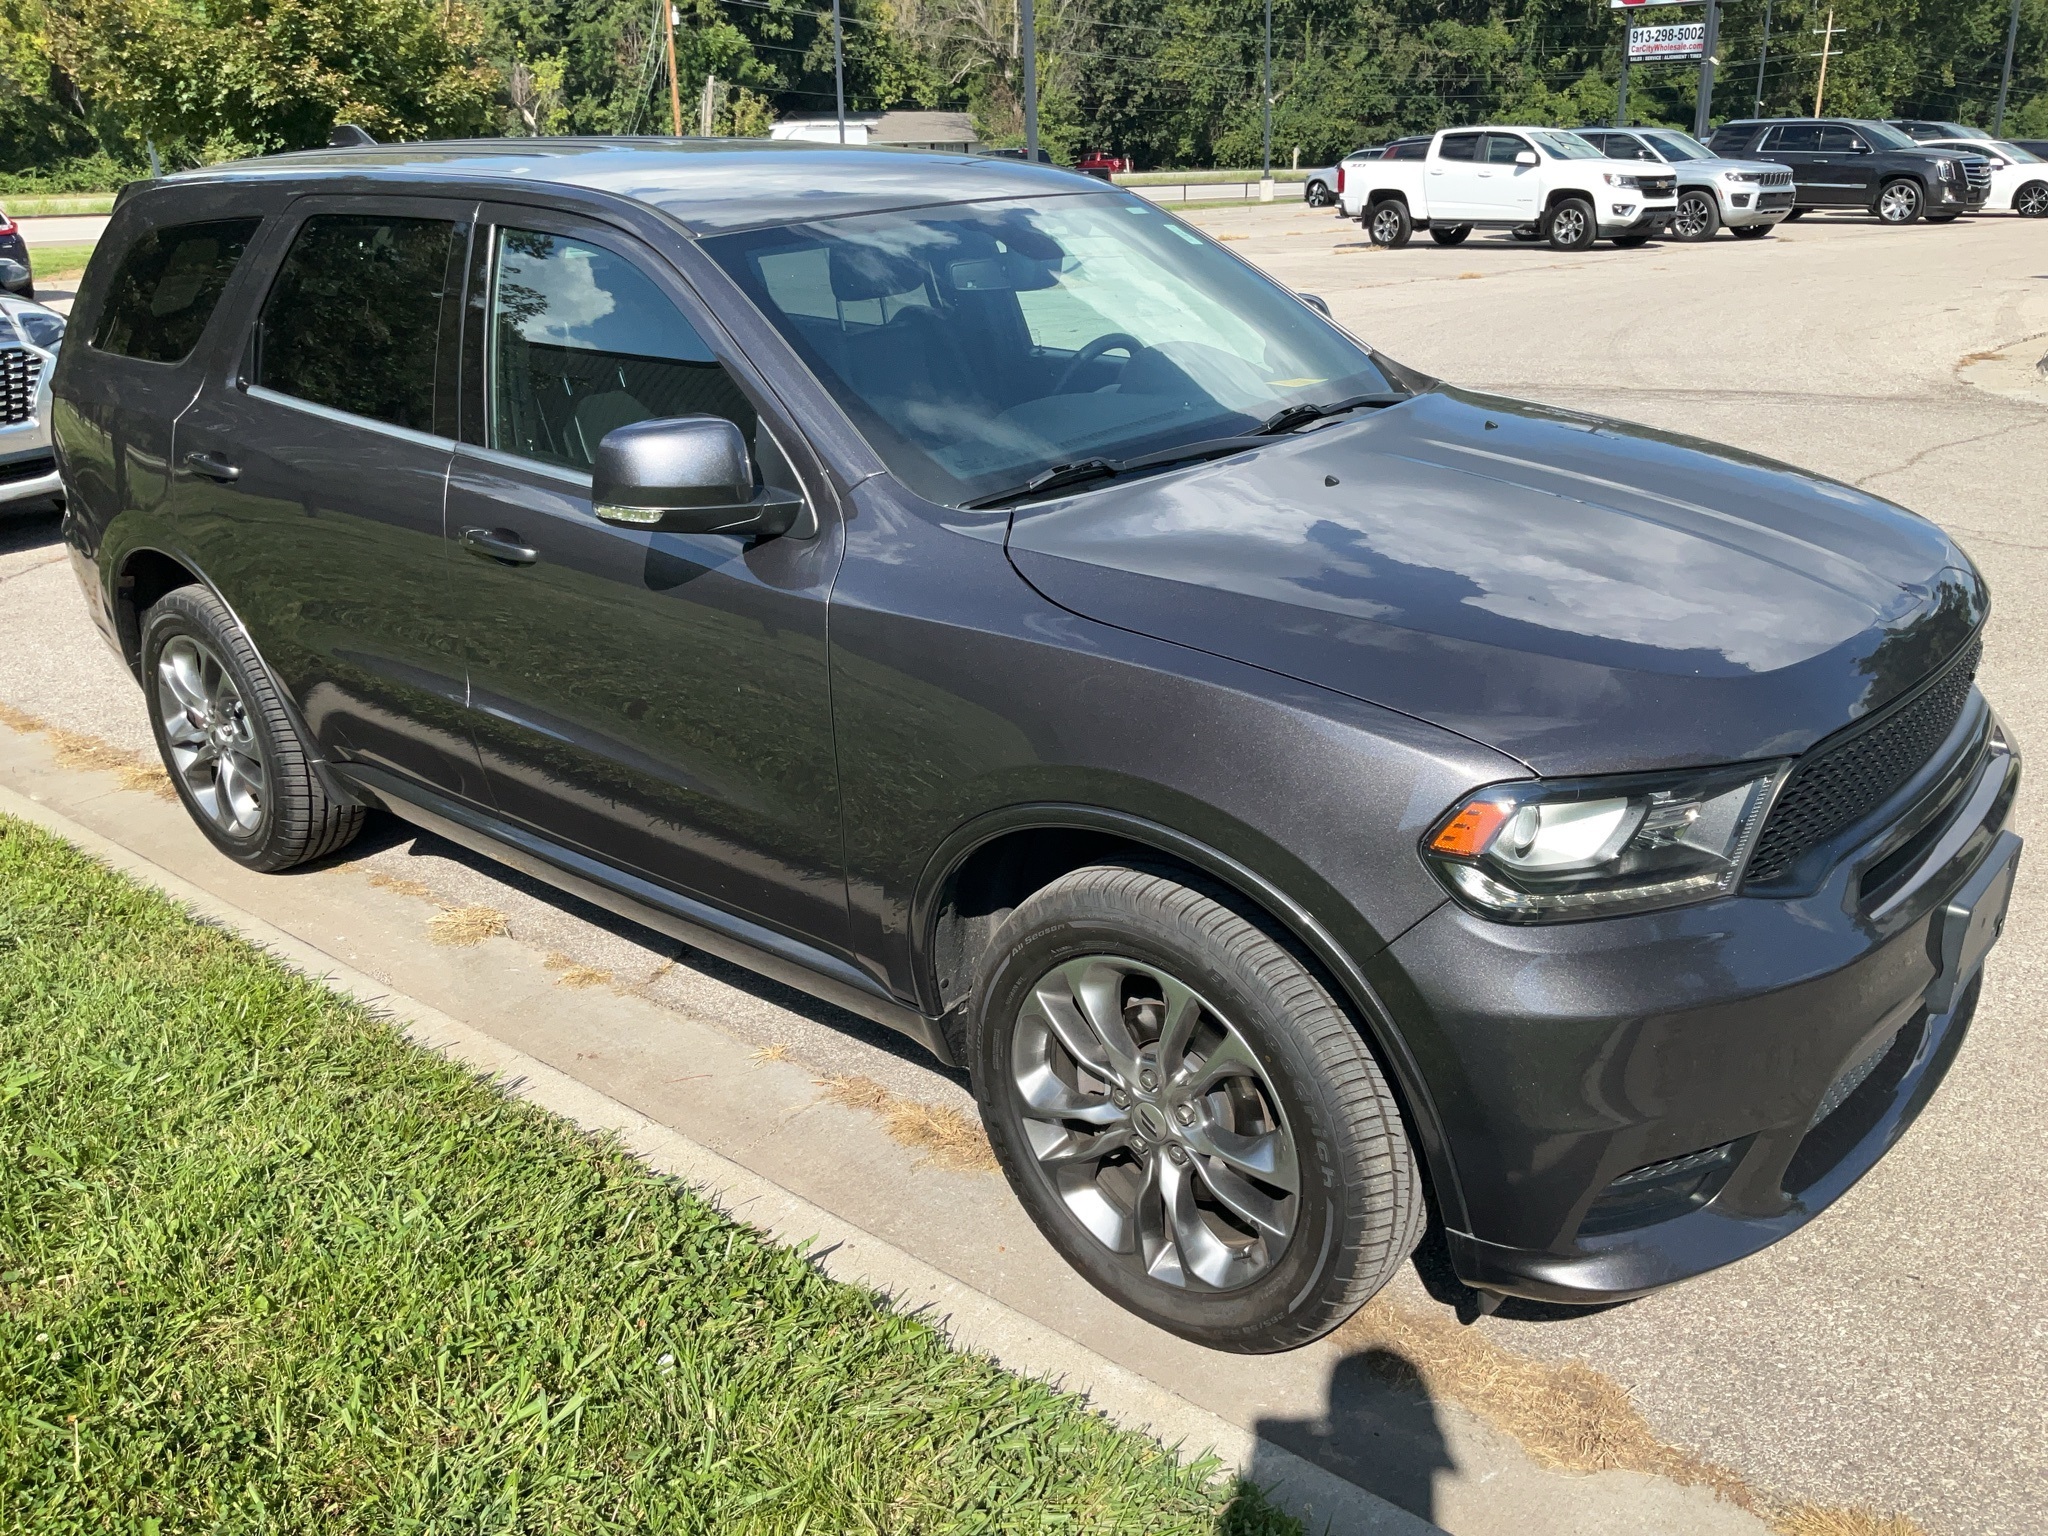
[[499, 544], [213, 466]]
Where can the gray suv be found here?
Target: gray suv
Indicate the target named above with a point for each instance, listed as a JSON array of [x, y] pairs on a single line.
[[1305, 798], [1749, 198]]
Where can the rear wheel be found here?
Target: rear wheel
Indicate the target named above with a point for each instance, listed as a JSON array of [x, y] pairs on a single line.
[[1319, 195], [1387, 223], [1749, 231], [1449, 234], [1796, 213], [2031, 201], [1186, 1112], [1943, 218], [228, 743], [1570, 225], [1697, 217], [1899, 202]]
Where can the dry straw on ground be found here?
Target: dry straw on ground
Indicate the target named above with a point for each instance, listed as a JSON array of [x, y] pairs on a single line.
[[1566, 1414], [402, 886], [569, 973], [74, 749], [776, 1052], [461, 926], [947, 1138]]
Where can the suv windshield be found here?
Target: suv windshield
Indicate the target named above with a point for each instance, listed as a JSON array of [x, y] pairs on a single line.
[[977, 345], [1565, 146], [1885, 136], [1678, 147]]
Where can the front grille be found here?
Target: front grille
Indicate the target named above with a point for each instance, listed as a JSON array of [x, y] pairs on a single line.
[[1659, 186], [28, 469], [19, 370], [1849, 775], [1979, 173], [1771, 200], [1782, 179]]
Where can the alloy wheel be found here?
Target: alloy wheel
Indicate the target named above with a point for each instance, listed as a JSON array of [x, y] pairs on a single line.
[[1386, 226], [2032, 201], [1690, 222], [213, 745], [1155, 1122], [1568, 225], [1899, 203]]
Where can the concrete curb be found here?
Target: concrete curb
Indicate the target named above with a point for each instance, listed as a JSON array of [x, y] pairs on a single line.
[[973, 1321]]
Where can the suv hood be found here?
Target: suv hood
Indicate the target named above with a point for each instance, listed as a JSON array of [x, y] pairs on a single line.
[[1720, 164], [1586, 595]]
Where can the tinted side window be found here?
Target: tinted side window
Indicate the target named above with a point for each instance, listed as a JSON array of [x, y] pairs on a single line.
[[166, 287], [1795, 136], [1460, 146], [583, 342], [353, 320], [1626, 146], [1414, 149], [1840, 141], [1501, 148]]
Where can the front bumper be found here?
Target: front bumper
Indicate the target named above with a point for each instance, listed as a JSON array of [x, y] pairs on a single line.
[[1768, 1050], [1762, 205], [1621, 218]]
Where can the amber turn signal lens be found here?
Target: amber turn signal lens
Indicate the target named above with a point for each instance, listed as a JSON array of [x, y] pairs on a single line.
[[1471, 830]]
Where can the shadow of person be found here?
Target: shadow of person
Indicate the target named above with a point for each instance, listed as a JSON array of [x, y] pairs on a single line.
[[1379, 1430]]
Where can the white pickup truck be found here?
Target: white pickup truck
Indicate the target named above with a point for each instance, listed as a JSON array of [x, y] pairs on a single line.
[[1545, 182]]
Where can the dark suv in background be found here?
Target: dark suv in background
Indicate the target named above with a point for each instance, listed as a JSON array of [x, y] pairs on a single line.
[[1840, 162], [1301, 793]]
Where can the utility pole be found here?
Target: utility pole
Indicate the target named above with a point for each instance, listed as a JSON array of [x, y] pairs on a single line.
[[839, 69], [1827, 45], [1762, 59], [1703, 108], [2012, 32], [1621, 96], [675, 91], [1266, 119], [1027, 21]]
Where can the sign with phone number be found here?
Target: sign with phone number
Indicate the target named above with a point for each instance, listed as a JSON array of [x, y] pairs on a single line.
[[1687, 40]]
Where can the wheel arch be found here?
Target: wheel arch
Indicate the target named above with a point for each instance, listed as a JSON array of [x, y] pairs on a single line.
[[991, 864], [1389, 194], [1559, 194]]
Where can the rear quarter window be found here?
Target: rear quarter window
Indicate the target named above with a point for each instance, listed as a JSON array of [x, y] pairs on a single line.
[[164, 291]]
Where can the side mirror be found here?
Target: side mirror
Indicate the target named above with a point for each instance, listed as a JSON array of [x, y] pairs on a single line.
[[1316, 302], [1526, 157], [686, 474]]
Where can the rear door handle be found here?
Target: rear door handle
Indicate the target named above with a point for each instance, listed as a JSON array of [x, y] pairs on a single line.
[[213, 466], [500, 544]]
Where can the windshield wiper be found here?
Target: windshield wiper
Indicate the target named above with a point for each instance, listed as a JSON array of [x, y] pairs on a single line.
[[1301, 415]]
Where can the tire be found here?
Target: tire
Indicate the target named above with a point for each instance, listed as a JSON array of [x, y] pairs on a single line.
[[1387, 223], [1526, 233], [1943, 218], [211, 703], [1797, 213], [1571, 225], [1317, 195], [2031, 200], [1749, 231], [1630, 242], [1302, 1088], [1449, 234], [1698, 216], [1899, 201]]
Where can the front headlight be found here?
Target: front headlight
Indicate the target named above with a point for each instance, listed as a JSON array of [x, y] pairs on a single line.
[[1946, 170], [1615, 179], [1545, 852], [1744, 176]]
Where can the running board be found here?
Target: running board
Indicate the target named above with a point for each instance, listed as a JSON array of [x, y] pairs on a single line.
[[696, 923]]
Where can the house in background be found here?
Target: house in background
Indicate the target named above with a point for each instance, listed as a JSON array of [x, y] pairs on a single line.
[[952, 132]]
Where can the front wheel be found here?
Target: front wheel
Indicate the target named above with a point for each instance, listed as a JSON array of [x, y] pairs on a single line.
[[1387, 224], [1186, 1112], [1697, 217], [1318, 195], [2031, 201], [228, 743], [1449, 234], [1749, 231], [1900, 201], [1570, 225]]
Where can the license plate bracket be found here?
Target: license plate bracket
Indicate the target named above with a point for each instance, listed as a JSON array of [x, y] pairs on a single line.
[[1971, 923]]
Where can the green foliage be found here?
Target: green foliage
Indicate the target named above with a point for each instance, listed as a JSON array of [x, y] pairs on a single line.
[[265, 1267]]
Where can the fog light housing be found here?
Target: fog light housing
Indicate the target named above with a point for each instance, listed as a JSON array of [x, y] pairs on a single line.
[[1660, 1191], [1621, 210], [1739, 199]]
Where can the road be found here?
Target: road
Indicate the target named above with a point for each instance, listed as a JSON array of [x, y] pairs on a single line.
[[1889, 1355]]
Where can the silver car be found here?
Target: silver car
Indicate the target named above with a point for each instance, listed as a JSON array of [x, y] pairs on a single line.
[[1750, 197], [30, 335]]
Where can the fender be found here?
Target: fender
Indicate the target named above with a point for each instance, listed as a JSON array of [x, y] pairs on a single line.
[[1301, 923]]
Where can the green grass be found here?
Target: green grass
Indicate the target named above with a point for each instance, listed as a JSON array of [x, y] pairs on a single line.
[[69, 204], [266, 1268], [56, 260]]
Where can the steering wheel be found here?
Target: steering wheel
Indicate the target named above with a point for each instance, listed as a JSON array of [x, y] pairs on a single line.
[[1115, 341]]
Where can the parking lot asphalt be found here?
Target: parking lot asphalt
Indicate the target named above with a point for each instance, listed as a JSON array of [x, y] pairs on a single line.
[[1890, 1354]]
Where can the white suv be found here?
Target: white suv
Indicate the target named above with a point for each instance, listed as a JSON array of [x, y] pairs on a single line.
[[1509, 178], [29, 337]]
